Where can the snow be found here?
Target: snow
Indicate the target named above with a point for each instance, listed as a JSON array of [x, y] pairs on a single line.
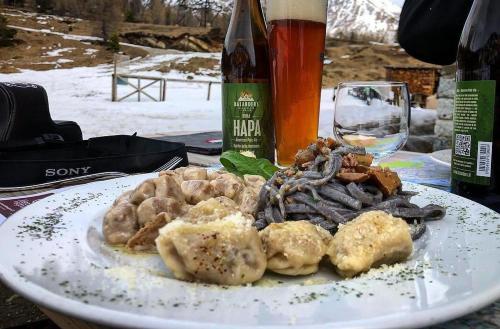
[[90, 51], [83, 95], [64, 60], [373, 18], [58, 52], [45, 63], [64, 35]]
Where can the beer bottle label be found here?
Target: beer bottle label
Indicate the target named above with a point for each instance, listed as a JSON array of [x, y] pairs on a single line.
[[473, 131], [247, 121]]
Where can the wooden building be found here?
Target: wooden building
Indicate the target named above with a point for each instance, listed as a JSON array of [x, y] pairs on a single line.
[[422, 81]]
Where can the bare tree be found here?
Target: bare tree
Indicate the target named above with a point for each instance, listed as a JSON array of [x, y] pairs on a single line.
[[182, 11], [157, 9], [169, 11], [134, 10], [68, 7], [207, 10], [108, 14]]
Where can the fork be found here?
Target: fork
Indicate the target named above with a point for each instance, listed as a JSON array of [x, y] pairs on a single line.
[[169, 165], [80, 179]]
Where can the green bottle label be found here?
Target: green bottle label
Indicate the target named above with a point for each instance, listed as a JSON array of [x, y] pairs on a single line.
[[247, 118], [473, 131]]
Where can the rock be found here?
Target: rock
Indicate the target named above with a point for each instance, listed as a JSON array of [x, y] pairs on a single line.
[[445, 108], [444, 128], [422, 122], [191, 43], [161, 44], [447, 88], [422, 144], [200, 44], [442, 143], [199, 39], [154, 43]]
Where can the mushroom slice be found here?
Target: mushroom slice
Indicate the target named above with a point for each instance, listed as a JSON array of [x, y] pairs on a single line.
[[144, 239]]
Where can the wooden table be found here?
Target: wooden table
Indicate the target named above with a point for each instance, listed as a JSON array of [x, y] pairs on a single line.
[[16, 311]]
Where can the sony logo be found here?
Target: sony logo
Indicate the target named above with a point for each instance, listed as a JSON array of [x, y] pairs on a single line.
[[61, 172]]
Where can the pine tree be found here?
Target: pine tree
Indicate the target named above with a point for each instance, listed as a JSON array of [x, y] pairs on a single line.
[[206, 10], [114, 43], [6, 34]]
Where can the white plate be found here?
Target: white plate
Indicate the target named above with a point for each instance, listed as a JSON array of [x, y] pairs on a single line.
[[443, 157], [67, 267]]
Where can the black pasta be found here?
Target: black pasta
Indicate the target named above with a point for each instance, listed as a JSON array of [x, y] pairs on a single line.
[[316, 195]]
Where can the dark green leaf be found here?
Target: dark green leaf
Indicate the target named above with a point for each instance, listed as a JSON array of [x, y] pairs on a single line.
[[239, 164]]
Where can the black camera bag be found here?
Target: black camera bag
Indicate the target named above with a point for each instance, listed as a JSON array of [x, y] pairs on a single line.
[[35, 149], [47, 162], [25, 117]]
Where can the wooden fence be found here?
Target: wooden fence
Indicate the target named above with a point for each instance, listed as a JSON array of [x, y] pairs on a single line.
[[122, 76]]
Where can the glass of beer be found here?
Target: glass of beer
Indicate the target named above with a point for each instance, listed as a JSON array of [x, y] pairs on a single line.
[[296, 32]]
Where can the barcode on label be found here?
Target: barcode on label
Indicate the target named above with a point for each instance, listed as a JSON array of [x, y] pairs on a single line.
[[484, 154]]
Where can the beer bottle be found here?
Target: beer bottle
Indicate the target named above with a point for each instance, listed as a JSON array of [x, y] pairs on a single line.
[[476, 136], [247, 116]]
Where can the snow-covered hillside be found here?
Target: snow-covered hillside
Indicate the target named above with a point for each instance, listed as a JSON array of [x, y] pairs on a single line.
[[373, 19], [83, 94]]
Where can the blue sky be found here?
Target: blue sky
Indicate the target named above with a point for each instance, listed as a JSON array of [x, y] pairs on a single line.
[[399, 2]]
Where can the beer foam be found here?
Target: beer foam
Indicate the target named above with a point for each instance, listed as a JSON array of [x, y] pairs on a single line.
[[312, 10]]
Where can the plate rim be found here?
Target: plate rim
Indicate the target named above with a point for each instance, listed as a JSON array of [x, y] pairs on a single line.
[[105, 316], [440, 161]]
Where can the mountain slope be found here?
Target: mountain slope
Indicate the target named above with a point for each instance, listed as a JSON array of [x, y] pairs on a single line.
[[375, 20], [359, 20]]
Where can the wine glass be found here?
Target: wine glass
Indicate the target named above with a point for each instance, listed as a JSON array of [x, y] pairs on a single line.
[[374, 115]]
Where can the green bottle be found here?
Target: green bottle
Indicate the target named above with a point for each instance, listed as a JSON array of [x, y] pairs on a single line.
[[246, 104], [476, 137]]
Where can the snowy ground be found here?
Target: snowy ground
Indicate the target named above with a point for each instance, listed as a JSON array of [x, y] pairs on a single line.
[[84, 95]]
